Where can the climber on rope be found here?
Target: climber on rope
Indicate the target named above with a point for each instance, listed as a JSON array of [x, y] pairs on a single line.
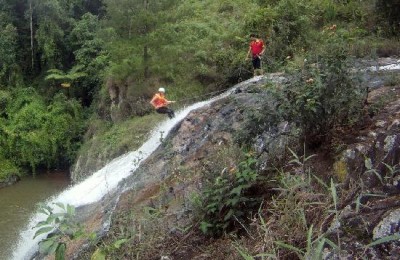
[[256, 50], [160, 103]]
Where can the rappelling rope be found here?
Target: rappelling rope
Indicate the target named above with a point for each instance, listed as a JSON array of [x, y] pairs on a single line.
[[212, 93], [205, 95]]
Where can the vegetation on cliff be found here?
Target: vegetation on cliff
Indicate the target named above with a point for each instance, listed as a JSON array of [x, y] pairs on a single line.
[[102, 61], [110, 56]]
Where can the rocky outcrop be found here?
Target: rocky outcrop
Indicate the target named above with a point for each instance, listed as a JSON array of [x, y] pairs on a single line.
[[204, 144], [157, 200], [369, 169]]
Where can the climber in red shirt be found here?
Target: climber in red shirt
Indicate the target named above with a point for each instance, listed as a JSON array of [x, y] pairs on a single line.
[[256, 50], [160, 103]]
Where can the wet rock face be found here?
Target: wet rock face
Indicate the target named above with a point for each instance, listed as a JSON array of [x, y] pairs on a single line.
[[90, 162], [228, 121], [168, 178]]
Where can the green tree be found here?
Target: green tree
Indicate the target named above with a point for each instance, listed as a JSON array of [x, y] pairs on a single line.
[[65, 79], [52, 21], [136, 20], [8, 51], [39, 135], [389, 11], [90, 56]]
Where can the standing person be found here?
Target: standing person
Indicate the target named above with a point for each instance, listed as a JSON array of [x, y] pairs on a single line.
[[256, 50], [160, 103]]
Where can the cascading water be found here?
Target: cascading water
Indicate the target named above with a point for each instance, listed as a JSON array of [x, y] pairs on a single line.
[[385, 67], [106, 179]]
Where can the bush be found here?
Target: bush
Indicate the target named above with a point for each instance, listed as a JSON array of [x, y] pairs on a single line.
[[323, 95], [64, 227], [8, 169], [388, 11], [36, 134], [226, 202]]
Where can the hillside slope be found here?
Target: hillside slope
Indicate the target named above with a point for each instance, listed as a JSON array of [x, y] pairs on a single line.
[[164, 203]]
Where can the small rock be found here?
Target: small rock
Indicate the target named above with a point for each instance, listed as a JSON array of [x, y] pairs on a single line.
[[388, 225], [395, 123], [381, 123]]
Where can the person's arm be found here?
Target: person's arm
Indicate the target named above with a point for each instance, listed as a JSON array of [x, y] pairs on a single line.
[[248, 53], [165, 101], [263, 49], [153, 100]]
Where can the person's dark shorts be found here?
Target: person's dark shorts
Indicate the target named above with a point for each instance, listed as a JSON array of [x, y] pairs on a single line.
[[256, 62], [166, 110]]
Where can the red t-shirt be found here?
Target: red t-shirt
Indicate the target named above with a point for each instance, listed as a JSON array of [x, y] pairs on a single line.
[[256, 47], [158, 101]]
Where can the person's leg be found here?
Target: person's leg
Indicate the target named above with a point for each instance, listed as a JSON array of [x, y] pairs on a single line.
[[260, 70], [254, 61], [257, 65], [162, 110], [171, 113], [166, 110]]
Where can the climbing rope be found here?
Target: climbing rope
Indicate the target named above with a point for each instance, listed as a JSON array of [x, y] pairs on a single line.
[[240, 71], [213, 93]]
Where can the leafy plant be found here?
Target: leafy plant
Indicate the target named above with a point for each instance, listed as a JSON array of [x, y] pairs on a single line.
[[285, 226], [246, 256], [336, 211], [7, 169], [324, 96], [38, 134], [225, 200], [300, 160], [101, 253], [65, 78], [314, 247], [384, 240], [384, 175], [63, 228]]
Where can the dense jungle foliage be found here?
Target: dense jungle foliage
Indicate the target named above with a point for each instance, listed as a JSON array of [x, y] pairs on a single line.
[[73, 66]]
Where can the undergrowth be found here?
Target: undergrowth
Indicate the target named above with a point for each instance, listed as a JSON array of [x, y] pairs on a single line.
[[226, 201]]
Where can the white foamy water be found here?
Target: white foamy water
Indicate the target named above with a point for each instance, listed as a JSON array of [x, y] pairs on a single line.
[[106, 179], [395, 66]]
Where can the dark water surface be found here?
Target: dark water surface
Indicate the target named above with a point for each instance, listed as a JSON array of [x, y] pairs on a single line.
[[17, 203]]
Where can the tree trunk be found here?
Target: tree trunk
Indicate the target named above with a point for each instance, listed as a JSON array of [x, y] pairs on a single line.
[[145, 47], [146, 61], [31, 28]]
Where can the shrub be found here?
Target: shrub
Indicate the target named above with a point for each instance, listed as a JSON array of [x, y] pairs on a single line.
[[323, 95], [63, 227], [388, 11], [226, 200], [36, 134], [285, 225], [7, 169]]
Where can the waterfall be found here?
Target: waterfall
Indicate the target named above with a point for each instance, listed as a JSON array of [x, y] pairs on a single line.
[[385, 67], [106, 179]]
